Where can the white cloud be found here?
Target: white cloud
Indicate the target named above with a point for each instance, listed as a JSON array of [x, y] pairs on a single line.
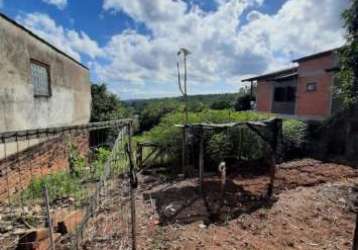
[[223, 49], [61, 4], [72, 42]]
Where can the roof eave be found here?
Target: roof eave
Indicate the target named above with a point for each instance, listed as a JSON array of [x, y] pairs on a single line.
[[42, 40]]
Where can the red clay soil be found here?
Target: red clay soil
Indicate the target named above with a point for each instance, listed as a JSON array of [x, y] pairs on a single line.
[[310, 210]]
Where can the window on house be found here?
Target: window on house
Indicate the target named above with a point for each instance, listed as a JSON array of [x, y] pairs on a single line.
[[285, 94], [40, 79], [311, 86]]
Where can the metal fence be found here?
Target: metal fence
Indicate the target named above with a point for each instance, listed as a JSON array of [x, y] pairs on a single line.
[[59, 192]]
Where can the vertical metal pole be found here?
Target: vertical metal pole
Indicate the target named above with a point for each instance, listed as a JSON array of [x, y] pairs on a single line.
[[19, 172], [241, 130], [251, 89], [49, 221], [201, 161], [185, 91], [8, 182], [132, 187]]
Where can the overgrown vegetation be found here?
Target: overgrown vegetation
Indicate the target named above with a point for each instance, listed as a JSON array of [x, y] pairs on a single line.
[[231, 144], [70, 183], [347, 85], [59, 185], [294, 138], [97, 165]]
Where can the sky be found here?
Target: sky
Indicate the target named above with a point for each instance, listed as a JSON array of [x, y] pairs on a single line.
[[131, 45]]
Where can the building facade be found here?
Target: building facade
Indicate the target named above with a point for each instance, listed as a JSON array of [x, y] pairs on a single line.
[[40, 86], [304, 91]]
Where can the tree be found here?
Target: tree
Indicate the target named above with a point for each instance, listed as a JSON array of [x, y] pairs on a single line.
[[347, 88], [105, 105], [221, 104], [244, 99]]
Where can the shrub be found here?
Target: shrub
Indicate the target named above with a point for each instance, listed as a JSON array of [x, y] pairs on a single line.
[[244, 102], [76, 162], [294, 135], [100, 159], [220, 145]]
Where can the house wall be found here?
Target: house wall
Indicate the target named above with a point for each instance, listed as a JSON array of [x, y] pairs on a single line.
[[19, 110], [316, 104], [264, 96]]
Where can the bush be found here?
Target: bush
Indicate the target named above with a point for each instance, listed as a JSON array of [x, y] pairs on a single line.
[[220, 105], [244, 102], [77, 163], [294, 137], [101, 156], [220, 145]]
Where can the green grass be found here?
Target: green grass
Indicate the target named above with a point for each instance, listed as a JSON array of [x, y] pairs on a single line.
[[59, 185]]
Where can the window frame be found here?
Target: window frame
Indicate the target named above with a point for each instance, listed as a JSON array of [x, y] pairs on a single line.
[[48, 70]]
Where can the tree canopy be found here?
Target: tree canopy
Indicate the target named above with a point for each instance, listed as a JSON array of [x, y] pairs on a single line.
[[348, 75], [105, 105]]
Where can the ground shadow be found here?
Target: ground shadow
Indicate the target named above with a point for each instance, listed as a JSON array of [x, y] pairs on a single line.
[[183, 203]]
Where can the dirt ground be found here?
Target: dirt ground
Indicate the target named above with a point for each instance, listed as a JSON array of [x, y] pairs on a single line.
[[310, 210]]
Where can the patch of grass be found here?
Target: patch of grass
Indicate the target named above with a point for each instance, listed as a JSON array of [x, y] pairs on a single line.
[[60, 184]]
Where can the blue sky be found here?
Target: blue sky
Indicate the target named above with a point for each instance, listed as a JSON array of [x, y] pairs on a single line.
[[131, 45]]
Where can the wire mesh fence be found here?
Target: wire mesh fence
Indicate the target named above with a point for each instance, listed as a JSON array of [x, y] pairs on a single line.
[[55, 187]]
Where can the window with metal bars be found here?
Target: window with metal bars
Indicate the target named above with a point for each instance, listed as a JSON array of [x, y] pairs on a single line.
[[40, 78]]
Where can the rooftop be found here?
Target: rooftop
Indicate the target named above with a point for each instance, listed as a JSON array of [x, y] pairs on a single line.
[[41, 39], [284, 73], [288, 72]]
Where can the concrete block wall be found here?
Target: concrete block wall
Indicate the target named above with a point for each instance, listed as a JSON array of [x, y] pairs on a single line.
[[17, 170]]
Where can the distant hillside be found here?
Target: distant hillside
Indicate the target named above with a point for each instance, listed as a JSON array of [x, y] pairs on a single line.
[[150, 111], [205, 100]]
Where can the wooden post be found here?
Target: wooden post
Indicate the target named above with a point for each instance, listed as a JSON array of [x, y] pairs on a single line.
[[139, 155], [48, 216], [277, 136], [272, 174], [355, 236], [222, 170], [354, 207], [201, 162], [184, 167]]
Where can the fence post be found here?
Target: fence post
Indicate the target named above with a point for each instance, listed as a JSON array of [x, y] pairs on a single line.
[[274, 148], [48, 216], [201, 161], [132, 186]]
